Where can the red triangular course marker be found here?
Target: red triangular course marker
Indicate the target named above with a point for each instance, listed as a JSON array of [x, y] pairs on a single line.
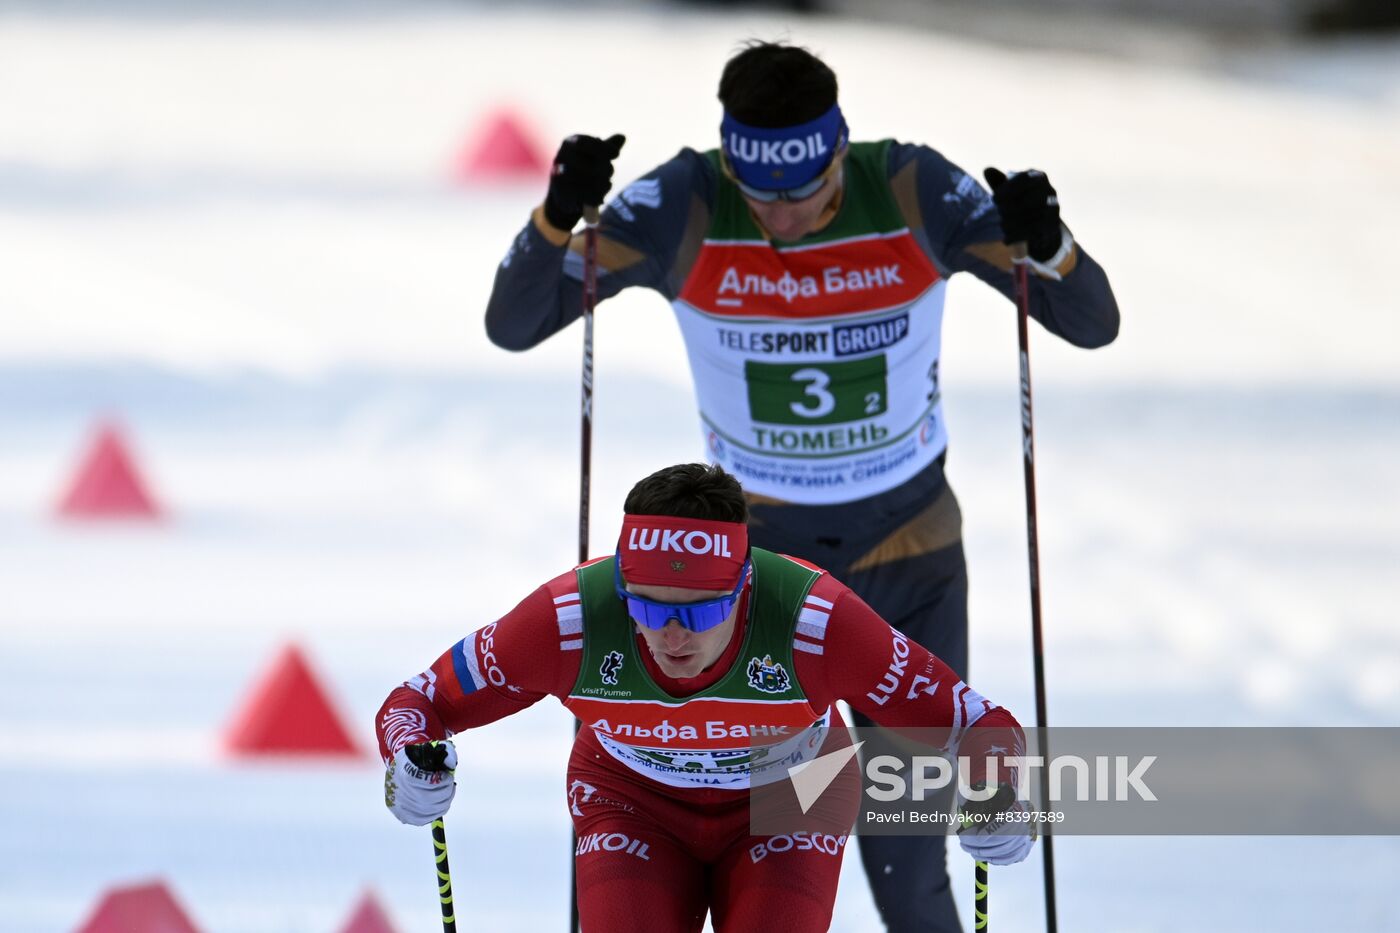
[[107, 484], [139, 908], [288, 713], [369, 917], [501, 150]]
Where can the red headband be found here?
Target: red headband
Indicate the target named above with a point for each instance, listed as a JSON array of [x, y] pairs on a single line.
[[660, 550]]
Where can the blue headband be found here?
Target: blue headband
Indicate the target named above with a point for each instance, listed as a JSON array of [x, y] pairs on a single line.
[[785, 157]]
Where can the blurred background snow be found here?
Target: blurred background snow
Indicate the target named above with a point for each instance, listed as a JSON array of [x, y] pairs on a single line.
[[238, 230]]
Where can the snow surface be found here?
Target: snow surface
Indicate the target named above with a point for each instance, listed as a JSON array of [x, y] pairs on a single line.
[[239, 234]]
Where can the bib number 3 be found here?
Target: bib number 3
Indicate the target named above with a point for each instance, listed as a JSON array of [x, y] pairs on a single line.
[[825, 393], [822, 402]]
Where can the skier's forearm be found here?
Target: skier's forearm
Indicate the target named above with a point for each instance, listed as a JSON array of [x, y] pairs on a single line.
[[965, 231], [1080, 308], [993, 734], [532, 299], [883, 674], [405, 718], [538, 289], [409, 716], [493, 672]]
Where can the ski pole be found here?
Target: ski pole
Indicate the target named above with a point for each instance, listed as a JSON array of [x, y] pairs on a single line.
[[431, 757], [590, 301], [449, 921], [979, 905], [1021, 282]]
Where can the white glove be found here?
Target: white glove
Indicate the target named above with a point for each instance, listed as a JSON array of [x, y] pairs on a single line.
[[418, 786], [995, 841]]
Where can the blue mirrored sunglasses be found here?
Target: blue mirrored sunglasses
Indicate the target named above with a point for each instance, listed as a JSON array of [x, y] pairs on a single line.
[[697, 617], [800, 193]]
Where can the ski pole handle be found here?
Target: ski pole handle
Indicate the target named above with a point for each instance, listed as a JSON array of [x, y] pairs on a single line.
[[430, 756]]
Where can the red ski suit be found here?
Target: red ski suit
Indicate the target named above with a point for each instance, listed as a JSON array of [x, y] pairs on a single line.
[[652, 858]]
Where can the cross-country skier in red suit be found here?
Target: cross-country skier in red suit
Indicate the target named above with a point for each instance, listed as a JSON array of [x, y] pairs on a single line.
[[679, 654]]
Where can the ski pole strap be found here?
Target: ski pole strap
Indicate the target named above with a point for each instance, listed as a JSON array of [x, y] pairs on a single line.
[[979, 907], [449, 921]]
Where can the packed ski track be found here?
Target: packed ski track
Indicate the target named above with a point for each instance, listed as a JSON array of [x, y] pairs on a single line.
[[240, 236]]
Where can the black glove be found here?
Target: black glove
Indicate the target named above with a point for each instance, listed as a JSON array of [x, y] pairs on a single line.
[[1030, 212], [983, 810], [582, 175], [1002, 841], [430, 756]]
